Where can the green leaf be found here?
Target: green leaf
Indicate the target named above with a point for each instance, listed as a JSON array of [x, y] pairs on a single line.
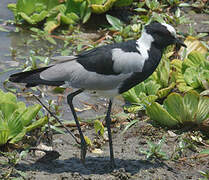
[[27, 18], [4, 136], [73, 6], [99, 128], [163, 72], [34, 125], [165, 91], [184, 5], [180, 82], [50, 25], [152, 88], [83, 8], [203, 109], [115, 22], [12, 7], [39, 17], [140, 88], [56, 129], [87, 15], [131, 123], [190, 101], [30, 114], [191, 77], [18, 137], [21, 107], [194, 60], [67, 20], [148, 3], [174, 106], [100, 6], [7, 109], [205, 151], [133, 108], [122, 3], [26, 6], [37, 124], [157, 113], [15, 117], [131, 96], [204, 78], [7, 97], [51, 3], [140, 10], [73, 16], [15, 126], [147, 100], [88, 141], [50, 39]]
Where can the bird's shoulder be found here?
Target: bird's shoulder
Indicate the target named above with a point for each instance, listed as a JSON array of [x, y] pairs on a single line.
[[101, 59]]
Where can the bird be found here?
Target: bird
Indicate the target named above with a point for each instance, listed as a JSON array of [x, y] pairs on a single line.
[[108, 70]]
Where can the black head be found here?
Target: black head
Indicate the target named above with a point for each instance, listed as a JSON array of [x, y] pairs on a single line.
[[163, 34]]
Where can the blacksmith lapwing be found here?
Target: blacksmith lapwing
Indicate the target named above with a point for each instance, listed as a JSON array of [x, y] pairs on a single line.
[[108, 70]]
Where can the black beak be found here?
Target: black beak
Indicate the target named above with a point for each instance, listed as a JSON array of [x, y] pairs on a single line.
[[180, 43]]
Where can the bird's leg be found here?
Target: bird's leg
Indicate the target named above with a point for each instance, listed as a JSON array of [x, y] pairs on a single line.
[[83, 142], [108, 122]]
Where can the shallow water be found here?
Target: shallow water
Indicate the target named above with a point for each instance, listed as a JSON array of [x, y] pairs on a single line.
[[5, 40]]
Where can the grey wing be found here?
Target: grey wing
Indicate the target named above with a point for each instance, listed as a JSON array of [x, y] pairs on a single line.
[[77, 76]]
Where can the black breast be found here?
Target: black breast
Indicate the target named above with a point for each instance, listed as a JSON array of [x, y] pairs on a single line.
[[149, 67]]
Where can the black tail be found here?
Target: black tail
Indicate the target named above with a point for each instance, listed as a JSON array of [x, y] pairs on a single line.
[[32, 78]]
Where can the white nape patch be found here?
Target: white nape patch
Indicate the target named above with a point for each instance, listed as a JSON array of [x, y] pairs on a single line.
[[170, 29], [126, 62]]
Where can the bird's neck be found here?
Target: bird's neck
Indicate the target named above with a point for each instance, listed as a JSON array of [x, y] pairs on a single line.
[[144, 43], [148, 49]]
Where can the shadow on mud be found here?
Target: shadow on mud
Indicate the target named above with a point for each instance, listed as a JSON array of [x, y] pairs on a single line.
[[93, 165]]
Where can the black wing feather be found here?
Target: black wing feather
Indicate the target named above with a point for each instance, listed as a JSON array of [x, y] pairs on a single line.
[[32, 78], [99, 59]]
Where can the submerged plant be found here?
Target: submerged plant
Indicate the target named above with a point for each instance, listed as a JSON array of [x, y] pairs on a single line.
[[16, 119], [177, 110]]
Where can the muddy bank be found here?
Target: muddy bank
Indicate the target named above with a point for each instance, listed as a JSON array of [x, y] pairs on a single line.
[[130, 163]]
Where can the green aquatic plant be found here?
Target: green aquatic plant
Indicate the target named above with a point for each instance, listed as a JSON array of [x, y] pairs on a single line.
[[53, 13], [155, 150], [192, 73], [177, 110], [16, 119], [99, 128], [124, 31], [101, 6]]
